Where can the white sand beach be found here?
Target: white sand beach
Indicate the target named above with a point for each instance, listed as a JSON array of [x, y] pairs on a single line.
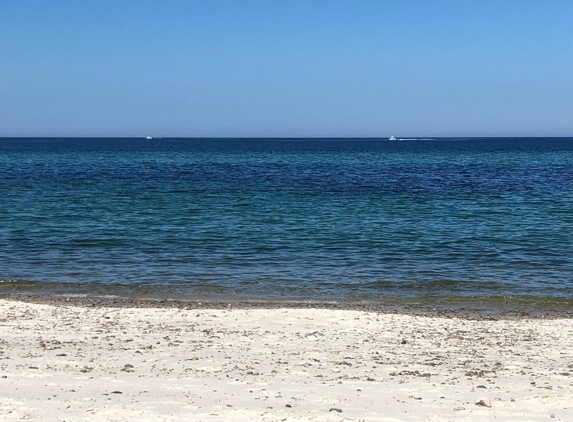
[[77, 363]]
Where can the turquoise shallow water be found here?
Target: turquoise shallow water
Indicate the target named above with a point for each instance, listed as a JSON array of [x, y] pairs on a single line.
[[288, 219]]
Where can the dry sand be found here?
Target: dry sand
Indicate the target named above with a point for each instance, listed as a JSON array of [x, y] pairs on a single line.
[[73, 363]]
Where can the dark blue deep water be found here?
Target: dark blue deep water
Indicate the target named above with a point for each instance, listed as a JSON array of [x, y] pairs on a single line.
[[289, 219]]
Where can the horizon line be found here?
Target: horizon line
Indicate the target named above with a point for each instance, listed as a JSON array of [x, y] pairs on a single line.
[[426, 137]]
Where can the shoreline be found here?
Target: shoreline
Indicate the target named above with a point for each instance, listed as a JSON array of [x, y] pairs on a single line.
[[105, 363], [501, 308]]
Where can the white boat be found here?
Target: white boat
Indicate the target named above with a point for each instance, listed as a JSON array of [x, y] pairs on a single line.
[[392, 138], [148, 137]]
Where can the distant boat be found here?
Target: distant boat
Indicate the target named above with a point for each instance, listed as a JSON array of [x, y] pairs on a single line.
[[392, 138], [149, 137]]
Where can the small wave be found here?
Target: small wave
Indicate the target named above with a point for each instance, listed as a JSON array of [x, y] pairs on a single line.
[[34, 285], [15, 281]]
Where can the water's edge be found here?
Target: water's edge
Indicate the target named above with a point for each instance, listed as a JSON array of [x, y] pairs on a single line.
[[494, 308]]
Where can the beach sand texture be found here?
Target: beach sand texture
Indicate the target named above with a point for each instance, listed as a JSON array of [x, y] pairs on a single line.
[[77, 363]]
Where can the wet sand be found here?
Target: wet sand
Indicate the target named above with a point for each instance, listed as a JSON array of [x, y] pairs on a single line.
[[61, 361]]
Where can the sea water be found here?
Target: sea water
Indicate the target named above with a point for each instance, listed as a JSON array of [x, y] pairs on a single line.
[[318, 219]]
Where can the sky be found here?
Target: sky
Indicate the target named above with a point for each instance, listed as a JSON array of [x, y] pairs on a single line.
[[280, 68]]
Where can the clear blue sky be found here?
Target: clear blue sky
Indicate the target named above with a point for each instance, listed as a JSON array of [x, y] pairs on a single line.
[[286, 68]]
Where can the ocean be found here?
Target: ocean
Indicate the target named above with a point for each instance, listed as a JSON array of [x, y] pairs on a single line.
[[289, 219]]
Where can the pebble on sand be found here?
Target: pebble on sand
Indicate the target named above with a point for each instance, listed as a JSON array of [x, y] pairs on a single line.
[[483, 401]]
